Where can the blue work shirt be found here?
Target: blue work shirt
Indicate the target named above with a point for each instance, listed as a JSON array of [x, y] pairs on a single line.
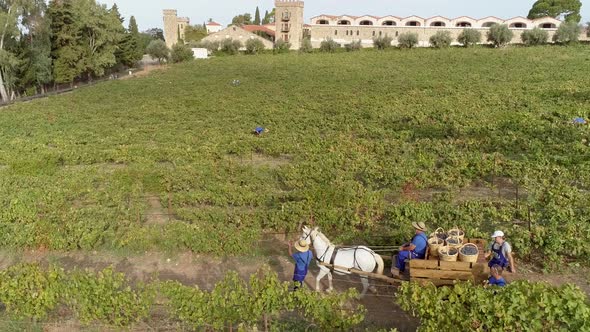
[[498, 282], [421, 243], [302, 260]]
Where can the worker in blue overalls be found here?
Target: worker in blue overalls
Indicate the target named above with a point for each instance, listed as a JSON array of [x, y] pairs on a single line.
[[416, 249], [302, 258], [500, 252]]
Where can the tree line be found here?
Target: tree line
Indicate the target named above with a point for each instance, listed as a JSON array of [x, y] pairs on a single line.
[[246, 18], [63, 41]]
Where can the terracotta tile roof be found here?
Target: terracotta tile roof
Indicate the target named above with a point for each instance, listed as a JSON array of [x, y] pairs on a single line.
[[215, 24], [253, 28]]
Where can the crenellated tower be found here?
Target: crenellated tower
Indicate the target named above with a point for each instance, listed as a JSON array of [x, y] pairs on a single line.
[[289, 21], [174, 26]]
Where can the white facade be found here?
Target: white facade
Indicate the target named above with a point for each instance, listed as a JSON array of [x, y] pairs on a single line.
[[434, 22], [200, 53], [213, 27]]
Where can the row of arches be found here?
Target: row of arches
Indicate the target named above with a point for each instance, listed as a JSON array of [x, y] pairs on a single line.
[[462, 24]]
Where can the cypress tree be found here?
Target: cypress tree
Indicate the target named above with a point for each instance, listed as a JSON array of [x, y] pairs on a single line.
[[257, 17]]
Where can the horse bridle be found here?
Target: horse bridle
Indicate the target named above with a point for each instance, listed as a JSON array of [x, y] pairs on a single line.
[[318, 258]]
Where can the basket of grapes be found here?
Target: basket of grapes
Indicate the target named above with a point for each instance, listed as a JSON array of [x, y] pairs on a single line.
[[448, 254], [439, 233], [468, 253], [456, 232], [433, 244], [454, 242]]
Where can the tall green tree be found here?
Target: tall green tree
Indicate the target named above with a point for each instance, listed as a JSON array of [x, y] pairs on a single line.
[[569, 9], [100, 34], [66, 51], [12, 15], [131, 48], [37, 62], [137, 49], [257, 16], [115, 11], [243, 19], [269, 17]]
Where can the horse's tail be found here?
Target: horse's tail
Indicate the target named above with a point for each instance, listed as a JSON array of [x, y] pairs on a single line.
[[380, 263]]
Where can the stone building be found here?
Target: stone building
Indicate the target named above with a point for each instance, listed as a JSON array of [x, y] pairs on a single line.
[[346, 29], [290, 26], [237, 33], [213, 27], [289, 22], [174, 26]]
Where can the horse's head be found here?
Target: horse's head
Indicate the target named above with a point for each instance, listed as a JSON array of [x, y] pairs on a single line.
[[308, 233]]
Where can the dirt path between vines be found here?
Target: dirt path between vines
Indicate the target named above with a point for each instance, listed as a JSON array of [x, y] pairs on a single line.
[[205, 271]]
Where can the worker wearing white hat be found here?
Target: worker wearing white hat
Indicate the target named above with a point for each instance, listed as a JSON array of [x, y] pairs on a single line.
[[501, 252]]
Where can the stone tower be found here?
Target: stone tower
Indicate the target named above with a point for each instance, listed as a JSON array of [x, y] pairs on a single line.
[[289, 22], [174, 26]]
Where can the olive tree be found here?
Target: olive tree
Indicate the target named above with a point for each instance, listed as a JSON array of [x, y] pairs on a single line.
[[469, 37], [500, 35], [157, 49], [536, 36], [568, 32], [382, 42], [441, 39], [407, 40]]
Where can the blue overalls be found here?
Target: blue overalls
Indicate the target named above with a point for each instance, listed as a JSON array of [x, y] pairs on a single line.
[[421, 243], [302, 260], [499, 258]]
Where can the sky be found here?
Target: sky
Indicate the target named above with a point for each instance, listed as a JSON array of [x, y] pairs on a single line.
[[149, 12]]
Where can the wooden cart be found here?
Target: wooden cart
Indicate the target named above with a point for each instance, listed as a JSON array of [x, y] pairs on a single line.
[[433, 270]]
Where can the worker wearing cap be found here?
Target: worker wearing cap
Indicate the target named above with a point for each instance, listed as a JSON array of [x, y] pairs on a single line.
[[416, 249], [501, 252], [302, 259]]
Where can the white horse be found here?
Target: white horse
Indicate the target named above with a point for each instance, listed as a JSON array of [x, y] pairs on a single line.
[[357, 257]]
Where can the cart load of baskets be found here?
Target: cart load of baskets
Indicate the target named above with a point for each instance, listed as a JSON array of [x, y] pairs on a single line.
[[449, 246]]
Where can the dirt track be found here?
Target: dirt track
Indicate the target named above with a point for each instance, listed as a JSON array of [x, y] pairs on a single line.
[[205, 271]]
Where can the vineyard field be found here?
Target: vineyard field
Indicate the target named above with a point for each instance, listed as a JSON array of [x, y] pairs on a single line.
[[366, 142]]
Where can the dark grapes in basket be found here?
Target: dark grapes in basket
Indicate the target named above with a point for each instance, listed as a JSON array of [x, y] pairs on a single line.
[[453, 241], [469, 250]]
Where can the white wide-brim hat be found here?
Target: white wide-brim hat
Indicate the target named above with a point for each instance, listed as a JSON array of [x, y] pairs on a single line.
[[302, 246], [497, 234], [419, 226]]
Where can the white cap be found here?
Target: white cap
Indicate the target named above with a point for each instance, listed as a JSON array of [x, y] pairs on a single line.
[[497, 234]]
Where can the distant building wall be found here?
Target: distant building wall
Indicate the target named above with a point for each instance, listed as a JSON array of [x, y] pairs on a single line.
[[213, 27], [366, 34], [237, 33]]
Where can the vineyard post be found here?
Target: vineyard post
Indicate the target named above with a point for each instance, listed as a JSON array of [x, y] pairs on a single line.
[[530, 232], [169, 206], [517, 196], [265, 323]]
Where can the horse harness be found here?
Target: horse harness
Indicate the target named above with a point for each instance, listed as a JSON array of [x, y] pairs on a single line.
[[321, 258]]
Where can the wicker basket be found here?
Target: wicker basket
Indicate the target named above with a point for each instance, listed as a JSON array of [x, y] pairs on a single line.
[[468, 258], [434, 243], [443, 253], [454, 242], [440, 233], [456, 232]]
